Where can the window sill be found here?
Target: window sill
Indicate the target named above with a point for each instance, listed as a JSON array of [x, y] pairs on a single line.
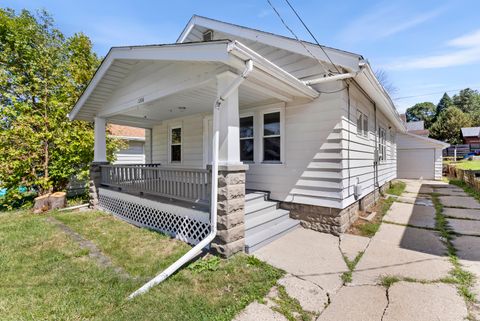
[[272, 162]]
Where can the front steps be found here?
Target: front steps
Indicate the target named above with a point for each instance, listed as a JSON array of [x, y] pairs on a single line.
[[264, 221]]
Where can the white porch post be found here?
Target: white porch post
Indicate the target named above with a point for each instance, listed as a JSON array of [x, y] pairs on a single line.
[[228, 116], [100, 143]]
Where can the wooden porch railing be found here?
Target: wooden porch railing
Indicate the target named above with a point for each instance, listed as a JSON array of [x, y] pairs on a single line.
[[186, 184]]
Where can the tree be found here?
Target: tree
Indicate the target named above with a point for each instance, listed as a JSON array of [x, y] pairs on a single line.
[[443, 104], [422, 111], [42, 74], [385, 81], [448, 125], [468, 100]]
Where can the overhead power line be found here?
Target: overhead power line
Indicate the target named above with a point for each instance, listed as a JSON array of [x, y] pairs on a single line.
[[433, 93], [311, 34], [296, 37]]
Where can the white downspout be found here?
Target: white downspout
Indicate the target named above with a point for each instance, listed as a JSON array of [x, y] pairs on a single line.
[[213, 204]]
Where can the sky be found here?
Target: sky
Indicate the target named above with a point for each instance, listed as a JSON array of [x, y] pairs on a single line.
[[426, 47]]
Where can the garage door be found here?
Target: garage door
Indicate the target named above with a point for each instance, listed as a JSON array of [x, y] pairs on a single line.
[[416, 163]]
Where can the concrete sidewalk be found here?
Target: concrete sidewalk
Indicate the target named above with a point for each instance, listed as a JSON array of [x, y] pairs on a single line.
[[399, 276]]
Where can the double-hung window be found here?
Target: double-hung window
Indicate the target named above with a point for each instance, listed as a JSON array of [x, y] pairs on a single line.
[[382, 144], [362, 124], [176, 145], [246, 139], [271, 137]]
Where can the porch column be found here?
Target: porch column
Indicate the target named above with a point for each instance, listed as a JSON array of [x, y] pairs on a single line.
[[229, 134], [99, 158], [100, 143], [230, 237]]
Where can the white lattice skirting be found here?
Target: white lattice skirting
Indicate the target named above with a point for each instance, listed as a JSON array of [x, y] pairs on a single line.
[[186, 224]]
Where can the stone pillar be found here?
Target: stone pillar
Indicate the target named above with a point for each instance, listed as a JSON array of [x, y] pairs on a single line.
[[230, 237], [94, 183]]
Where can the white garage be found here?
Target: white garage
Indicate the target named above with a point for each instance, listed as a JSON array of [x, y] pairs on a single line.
[[419, 157]]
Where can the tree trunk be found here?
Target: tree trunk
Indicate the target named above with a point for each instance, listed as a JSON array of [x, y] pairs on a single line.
[[41, 204], [57, 200]]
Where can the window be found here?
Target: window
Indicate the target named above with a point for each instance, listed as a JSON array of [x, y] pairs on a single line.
[[362, 124], [382, 146], [176, 145], [246, 139], [271, 137]]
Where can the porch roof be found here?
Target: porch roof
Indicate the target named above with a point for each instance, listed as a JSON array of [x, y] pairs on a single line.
[[184, 70]]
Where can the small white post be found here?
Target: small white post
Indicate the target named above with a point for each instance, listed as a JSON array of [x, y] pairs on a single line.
[[229, 123], [100, 143]]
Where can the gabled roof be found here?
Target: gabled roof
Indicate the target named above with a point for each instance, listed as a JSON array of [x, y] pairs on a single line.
[[345, 59], [350, 62], [471, 132], [428, 140]]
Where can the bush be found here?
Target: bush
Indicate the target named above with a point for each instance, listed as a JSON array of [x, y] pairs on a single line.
[[16, 198]]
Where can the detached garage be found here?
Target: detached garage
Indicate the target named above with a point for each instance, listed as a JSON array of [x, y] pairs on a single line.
[[419, 157]]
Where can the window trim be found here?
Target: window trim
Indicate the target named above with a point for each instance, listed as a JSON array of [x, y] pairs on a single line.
[[282, 135], [253, 138], [170, 144], [382, 146], [363, 132]]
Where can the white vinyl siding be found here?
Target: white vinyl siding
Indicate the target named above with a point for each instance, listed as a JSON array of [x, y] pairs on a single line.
[[133, 154]]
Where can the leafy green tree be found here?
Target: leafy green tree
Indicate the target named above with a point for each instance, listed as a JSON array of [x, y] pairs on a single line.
[[443, 104], [422, 111], [468, 100], [448, 125], [42, 74]]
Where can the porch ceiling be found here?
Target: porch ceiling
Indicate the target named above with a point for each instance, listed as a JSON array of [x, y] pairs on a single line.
[[140, 86]]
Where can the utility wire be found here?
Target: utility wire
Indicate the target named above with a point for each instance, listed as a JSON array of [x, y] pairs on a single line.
[[311, 34], [295, 36], [433, 93]]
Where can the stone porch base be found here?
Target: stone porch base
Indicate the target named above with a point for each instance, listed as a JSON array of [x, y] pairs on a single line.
[[331, 220]]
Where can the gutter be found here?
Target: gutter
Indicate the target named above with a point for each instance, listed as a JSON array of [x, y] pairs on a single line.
[[213, 203]]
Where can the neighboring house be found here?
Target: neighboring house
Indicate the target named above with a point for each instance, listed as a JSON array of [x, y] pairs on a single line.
[[471, 135], [134, 152], [415, 127], [315, 137]]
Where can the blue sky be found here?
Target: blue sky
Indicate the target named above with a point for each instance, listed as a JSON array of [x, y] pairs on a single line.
[[425, 46]]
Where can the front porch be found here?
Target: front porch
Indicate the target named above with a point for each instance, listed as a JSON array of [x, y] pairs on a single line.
[[190, 98]]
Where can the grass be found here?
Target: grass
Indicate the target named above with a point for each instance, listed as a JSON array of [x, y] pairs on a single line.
[[290, 307], [47, 276], [347, 276], [369, 229], [469, 165], [397, 188], [467, 188], [462, 278]]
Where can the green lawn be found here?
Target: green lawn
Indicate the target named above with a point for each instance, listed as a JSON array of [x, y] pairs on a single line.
[[469, 165], [46, 275]]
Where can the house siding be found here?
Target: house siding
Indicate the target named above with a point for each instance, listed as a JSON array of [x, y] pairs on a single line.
[[360, 150]]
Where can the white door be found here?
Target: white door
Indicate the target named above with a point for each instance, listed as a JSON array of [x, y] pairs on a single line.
[[416, 163]]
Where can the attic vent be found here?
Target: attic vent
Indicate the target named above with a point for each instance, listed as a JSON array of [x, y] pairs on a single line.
[[208, 35]]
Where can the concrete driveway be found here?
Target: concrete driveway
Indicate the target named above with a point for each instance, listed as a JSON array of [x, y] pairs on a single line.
[[404, 272]]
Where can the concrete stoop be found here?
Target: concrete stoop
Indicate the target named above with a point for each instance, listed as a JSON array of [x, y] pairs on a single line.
[[264, 221]]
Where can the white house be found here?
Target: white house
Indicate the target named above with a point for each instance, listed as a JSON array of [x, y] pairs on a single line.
[[134, 138], [303, 135]]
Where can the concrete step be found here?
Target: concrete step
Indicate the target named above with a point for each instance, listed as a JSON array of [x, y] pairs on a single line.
[[265, 221], [266, 236], [258, 208], [254, 197]]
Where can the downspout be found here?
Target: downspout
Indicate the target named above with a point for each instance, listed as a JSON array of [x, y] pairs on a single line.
[[213, 204]]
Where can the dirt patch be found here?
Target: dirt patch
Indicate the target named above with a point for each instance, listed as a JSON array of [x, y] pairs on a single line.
[[369, 228]]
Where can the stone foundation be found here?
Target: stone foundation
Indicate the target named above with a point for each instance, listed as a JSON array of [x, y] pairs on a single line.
[[230, 237], [331, 220], [94, 183]]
